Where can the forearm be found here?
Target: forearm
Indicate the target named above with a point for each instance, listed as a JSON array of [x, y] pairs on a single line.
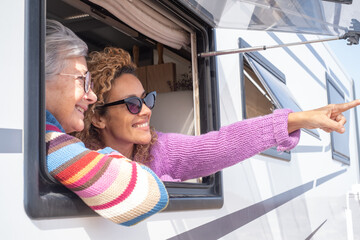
[[195, 156], [296, 120], [113, 186]]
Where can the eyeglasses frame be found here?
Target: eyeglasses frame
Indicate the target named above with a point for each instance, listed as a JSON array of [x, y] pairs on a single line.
[[86, 78]]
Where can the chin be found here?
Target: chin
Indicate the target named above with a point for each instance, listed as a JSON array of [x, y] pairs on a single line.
[[79, 127], [144, 140]]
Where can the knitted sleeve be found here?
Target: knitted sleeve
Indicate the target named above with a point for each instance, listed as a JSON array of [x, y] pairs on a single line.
[[116, 188], [180, 157]]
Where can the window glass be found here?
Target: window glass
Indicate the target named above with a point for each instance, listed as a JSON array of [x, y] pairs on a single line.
[[276, 87], [274, 83], [258, 101], [339, 142]]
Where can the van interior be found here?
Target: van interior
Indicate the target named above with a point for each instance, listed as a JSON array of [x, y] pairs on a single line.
[[159, 44]]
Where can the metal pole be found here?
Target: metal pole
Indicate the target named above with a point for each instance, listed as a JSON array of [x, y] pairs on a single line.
[[260, 48]]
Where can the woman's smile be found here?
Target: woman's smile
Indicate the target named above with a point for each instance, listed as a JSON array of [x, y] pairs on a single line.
[[143, 125]]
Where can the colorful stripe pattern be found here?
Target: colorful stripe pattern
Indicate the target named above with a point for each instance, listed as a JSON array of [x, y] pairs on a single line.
[[118, 189]]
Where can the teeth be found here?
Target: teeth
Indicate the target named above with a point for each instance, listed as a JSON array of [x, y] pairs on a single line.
[[142, 125], [80, 109]]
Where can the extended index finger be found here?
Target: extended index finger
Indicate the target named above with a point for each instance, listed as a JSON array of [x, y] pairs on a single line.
[[342, 107]]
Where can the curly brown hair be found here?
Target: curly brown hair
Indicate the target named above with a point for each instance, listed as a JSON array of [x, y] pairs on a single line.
[[105, 67]]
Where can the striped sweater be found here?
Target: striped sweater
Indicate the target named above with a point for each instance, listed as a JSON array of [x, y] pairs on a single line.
[[118, 189]]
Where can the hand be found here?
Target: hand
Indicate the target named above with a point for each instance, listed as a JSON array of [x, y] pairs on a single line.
[[328, 118]]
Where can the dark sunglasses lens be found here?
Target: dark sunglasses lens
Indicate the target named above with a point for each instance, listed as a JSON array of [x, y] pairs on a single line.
[[150, 100], [133, 105]]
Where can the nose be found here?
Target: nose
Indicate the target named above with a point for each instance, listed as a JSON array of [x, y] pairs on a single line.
[[145, 111], [90, 96]]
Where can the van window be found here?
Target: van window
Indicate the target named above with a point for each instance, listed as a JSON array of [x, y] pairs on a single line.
[[258, 101], [188, 80], [339, 142], [264, 88]]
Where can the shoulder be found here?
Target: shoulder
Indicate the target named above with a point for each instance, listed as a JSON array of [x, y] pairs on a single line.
[[52, 124]]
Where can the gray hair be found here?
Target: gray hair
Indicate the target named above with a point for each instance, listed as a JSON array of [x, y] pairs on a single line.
[[60, 44]]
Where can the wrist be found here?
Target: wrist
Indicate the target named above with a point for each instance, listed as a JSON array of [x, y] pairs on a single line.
[[294, 121]]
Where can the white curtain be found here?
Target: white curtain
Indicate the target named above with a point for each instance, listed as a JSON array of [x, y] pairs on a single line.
[[148, 21]]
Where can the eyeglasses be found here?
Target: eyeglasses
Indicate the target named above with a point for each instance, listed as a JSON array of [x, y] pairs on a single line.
[[85, 78], [134, 104]]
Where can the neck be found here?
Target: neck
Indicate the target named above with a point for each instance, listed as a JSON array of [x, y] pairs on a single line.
[[127, 152], [124, 149]]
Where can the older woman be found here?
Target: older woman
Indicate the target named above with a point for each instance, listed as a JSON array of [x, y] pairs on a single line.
[[120, 119], [115, 187]]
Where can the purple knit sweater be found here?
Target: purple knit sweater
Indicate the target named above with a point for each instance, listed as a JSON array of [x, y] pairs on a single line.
[[180, 157]]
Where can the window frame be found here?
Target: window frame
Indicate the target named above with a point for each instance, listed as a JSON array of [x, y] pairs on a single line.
[[257, 57], [337, 155], [43, 198], [272, 152], [278, 74]]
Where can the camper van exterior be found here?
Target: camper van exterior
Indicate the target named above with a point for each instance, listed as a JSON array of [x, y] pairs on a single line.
[[310, 192]]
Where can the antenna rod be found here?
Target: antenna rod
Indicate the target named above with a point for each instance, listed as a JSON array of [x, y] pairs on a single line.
[[260, 48]]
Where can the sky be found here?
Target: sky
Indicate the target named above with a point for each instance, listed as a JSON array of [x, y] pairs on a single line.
[[349, 58]]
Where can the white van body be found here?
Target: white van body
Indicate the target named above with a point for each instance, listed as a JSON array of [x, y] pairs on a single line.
[[310, 196]]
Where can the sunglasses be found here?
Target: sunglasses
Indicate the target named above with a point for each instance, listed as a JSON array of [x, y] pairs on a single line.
[[85, 78], [134, 104]]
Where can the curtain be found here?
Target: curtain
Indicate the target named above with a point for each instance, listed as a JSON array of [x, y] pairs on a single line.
[[147, 21]]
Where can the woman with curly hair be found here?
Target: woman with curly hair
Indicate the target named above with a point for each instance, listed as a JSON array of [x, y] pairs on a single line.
[[120, 120], [128, 133]]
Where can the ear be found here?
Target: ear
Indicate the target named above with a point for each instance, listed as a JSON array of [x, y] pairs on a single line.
[[98, 121]]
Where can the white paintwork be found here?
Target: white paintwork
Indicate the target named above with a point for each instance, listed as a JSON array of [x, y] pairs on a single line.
[[268, 177], [247, 183]]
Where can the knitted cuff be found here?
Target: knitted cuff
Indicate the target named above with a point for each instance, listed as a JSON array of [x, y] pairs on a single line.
[[284, 140], [168, 178]]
